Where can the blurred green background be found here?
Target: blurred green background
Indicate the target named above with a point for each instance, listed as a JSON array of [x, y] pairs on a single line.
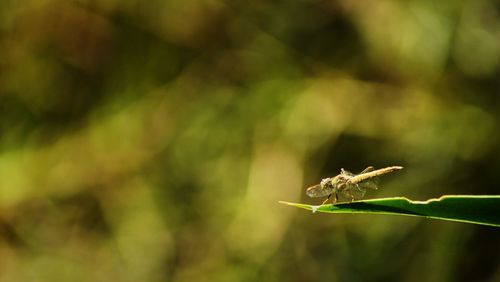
[[152, 140]]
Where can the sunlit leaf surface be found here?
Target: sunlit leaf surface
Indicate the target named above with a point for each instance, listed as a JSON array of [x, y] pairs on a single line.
[[464, 208]]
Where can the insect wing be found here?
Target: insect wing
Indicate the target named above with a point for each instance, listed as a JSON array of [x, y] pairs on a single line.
[[344, 172], [317, 191], [358, 193], [351, 192], [371, 183], [368, 169]]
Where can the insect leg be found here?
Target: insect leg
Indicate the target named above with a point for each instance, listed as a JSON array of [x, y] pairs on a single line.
[[327, 198]]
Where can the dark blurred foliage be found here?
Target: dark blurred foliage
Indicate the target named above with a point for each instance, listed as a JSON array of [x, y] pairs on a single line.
[[152, 140]]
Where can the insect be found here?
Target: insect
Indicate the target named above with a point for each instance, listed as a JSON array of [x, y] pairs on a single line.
[[348, 186]]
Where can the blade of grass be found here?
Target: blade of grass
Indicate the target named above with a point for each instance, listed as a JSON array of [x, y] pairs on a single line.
[[463, 208]]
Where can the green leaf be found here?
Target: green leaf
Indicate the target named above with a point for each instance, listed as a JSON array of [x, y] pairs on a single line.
[[464, 208]]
